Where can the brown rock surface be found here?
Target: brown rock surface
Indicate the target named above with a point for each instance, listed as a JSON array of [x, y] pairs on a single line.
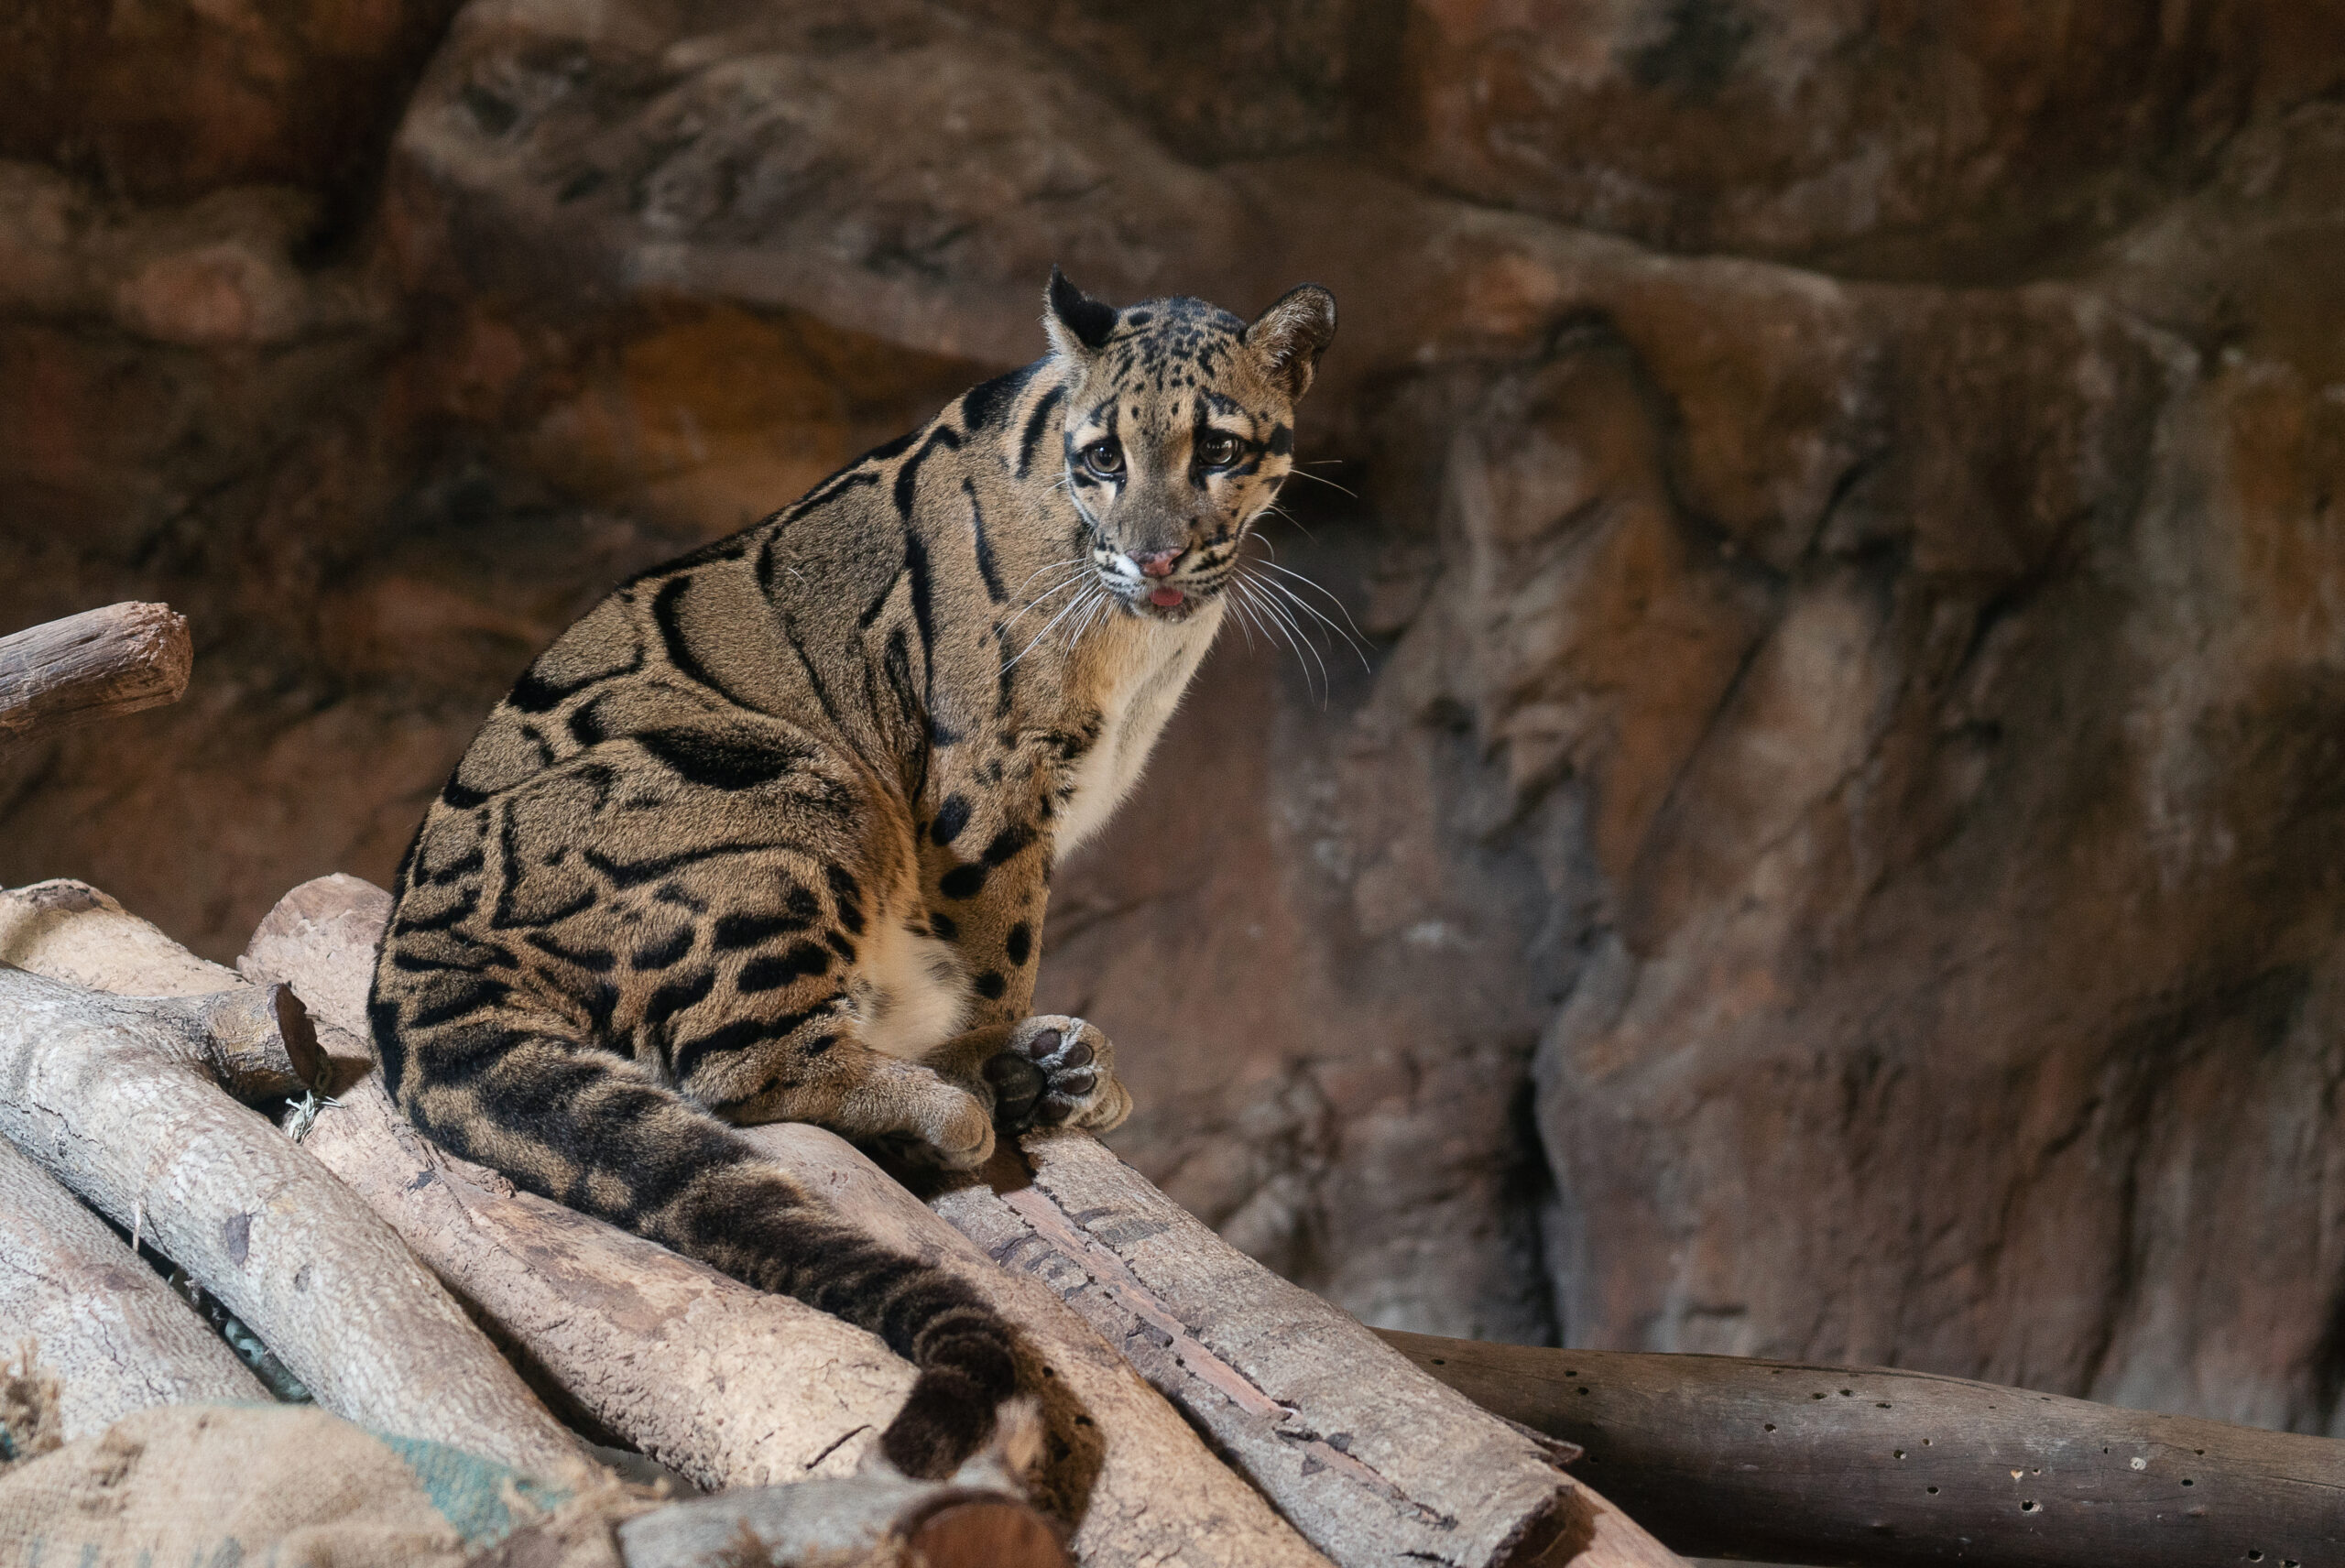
[[1975, 141], [164, 99], [1871, 744]]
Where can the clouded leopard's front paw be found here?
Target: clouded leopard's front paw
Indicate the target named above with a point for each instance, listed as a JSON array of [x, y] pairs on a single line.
[[1058, 1072], [933, 1123]]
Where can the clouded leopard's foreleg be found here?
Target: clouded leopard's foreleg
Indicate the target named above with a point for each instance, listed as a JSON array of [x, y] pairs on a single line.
[[493, 1083], [986, 884]]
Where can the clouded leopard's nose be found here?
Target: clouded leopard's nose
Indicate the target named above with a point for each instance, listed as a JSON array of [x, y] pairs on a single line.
[[1157, 562]]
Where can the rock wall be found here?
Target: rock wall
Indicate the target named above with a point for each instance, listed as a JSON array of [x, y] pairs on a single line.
[[1832, 848]]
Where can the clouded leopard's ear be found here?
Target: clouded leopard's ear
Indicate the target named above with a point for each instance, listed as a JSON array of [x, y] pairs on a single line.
[[1290, 336], [1077, 323]]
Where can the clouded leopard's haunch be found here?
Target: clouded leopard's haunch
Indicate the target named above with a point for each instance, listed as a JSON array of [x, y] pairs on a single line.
[[766, 835]]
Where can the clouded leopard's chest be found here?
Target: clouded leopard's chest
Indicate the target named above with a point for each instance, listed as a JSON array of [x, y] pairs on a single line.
[[1134, 704], [910, 990]]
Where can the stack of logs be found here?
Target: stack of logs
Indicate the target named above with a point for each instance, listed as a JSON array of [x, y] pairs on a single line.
[[1196, 1409]]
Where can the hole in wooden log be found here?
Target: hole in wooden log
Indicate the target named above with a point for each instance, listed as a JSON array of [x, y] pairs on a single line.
[[2255, 1557], [2188, 1482], [1771, 1426], [1932, 1490], [1847, 1393], [1816, 1395], [1583, 1390], [2027, 1508], [1881, 1405], [1897, 1453]]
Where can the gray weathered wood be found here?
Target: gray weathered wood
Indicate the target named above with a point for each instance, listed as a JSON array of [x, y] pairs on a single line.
[[92, 666], [257, 1041], [846, 1520], [114, 1335], [1861, 1465], [110, 1097], [1124, 1465], [1375, 1461]]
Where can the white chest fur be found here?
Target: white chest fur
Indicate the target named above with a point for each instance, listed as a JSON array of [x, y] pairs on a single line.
[[1141, 691], [910, 992]]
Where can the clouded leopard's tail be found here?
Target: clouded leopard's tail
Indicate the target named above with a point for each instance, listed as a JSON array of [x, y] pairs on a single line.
[[586, 1131]]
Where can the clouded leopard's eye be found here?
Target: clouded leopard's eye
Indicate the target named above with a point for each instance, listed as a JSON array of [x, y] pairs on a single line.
[[1104, 458], [1218, 451]]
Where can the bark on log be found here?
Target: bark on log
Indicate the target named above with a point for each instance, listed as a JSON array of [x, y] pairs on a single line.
[[1373, 1461], [92, 666], [107, 1095], [1122, 1464], [115, 1337], [852, 1520], [260, 1046], [1862, 1465]]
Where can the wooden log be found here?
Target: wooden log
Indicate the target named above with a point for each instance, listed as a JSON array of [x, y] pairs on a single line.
[[322, 936], [258, 1044], [70, 930], [115, 1337], [1862, 1465], [1373, 1461], [866, 1518], [1119, 1465], [1124, 1465], [111, 1096], [92, 666]]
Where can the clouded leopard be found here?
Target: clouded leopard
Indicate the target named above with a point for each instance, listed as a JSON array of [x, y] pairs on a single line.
[[767, 835]]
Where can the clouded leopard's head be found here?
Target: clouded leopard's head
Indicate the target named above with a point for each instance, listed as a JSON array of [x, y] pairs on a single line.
[[1180, 425]]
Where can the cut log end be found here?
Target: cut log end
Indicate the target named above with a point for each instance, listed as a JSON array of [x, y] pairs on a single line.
[[118, 659], [261, 1043]]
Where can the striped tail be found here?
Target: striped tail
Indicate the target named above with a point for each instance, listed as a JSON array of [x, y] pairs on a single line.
[[586, 1130]]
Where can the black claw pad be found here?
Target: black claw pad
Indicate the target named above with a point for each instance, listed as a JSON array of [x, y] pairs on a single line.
[[1044, 1079], [1017, 1086]]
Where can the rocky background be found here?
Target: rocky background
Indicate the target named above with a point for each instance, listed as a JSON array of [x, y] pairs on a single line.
[[1834, 848]]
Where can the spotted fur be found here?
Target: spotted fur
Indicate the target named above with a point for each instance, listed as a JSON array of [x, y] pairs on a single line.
[[767, 835]]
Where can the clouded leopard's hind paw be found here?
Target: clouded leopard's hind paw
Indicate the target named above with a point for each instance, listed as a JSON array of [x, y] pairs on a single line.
[[1057, 1072]]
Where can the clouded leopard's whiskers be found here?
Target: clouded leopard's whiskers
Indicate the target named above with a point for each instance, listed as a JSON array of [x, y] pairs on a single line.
[[1349, 631], [1278, 621], [1275, 510], [1072, 561], [1072, 580], [1091, 593], [1300, 470]]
